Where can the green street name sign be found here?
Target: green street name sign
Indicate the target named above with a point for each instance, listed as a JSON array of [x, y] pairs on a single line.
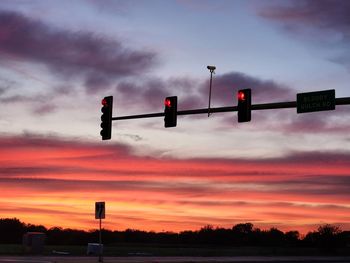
[[316, 101]]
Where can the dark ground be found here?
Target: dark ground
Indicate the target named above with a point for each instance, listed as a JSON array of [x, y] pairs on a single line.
[[69, 259]]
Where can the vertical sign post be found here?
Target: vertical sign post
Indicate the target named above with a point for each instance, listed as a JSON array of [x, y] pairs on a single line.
[[100, 213]]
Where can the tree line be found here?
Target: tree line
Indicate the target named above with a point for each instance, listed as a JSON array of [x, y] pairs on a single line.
[[245, 234]]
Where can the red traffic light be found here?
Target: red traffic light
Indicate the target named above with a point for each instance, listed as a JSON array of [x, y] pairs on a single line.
[[241, 95], [167, 103], [244, 105], [170, 112], [104, 102], [106, 117]]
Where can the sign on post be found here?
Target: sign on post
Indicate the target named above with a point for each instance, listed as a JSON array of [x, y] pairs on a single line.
[[100, 211], [316, 101]]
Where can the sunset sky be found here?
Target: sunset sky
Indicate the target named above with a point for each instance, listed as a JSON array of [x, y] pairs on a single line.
[[58, 59]]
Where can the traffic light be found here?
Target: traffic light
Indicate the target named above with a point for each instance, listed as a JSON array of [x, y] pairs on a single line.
[[106, 118], [170, 112], [244, 105]]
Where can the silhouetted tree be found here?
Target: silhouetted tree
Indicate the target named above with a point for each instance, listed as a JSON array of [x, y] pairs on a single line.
[[11, 231], [188, 237], [328, 237], [59, 236], [292, 238], [344, 239], [35, 228], [246, 228], [311, 239], [205, 234], [242, 234], [274, 237]]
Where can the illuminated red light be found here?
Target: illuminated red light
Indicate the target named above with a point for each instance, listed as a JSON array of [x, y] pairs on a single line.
[[241, 95], [167, 103], [104, 102]]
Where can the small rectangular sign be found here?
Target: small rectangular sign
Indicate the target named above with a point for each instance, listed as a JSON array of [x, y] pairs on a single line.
[[316, 101], [100, 211]]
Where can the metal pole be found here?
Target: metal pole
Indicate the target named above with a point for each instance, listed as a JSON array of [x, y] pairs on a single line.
[[211, 79], [100, 258], [211, 69], [265, 106]]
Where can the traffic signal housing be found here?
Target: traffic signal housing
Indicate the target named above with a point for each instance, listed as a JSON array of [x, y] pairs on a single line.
[[106, 118], [170, 111], [244, 105]]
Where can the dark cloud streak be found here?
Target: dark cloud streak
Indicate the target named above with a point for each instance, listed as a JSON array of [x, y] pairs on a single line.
[[67, 53], [226, 86], [320, 14], [151, 92], [193, 93], [323, 21]]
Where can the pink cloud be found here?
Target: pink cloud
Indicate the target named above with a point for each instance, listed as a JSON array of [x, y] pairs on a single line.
[[149, 193]]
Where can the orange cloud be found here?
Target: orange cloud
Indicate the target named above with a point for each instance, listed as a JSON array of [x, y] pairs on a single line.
[[56, 182]]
